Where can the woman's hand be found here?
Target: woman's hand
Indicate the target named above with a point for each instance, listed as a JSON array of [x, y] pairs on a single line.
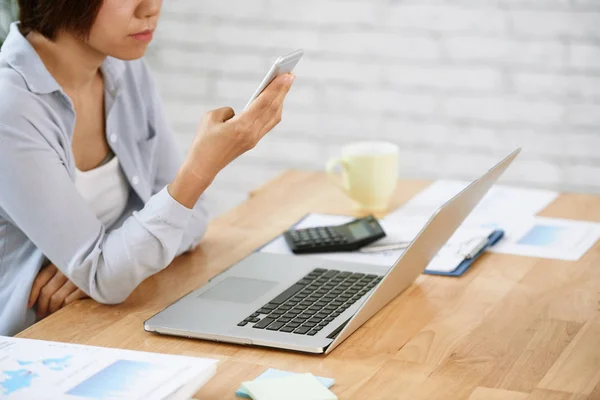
[[222, 137], [51, 291]]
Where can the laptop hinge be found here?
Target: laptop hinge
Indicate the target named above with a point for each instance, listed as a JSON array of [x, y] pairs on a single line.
[[333, 334]]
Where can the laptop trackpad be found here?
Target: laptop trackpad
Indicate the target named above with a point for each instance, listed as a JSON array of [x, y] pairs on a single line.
[[238, 290]]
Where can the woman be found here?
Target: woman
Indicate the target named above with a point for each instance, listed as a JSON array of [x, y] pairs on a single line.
[[94, 197]]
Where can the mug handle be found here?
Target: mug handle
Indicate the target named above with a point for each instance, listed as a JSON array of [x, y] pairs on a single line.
[[333, 177]]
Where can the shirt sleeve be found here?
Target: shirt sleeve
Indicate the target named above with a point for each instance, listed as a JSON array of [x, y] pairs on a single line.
[[169, 159], [39, 197]]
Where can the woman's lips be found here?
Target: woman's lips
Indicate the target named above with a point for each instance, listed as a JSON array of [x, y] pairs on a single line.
[[144, 36]]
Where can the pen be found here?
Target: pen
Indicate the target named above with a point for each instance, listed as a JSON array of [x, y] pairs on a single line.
[[483, 242], [385, 247]]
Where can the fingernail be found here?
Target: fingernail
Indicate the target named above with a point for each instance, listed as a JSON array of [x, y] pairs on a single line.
[[290, 78]]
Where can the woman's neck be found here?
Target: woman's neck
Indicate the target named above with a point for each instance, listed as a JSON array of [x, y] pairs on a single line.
[[73, 63]]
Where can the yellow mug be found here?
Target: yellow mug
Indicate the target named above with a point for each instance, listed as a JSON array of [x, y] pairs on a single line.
[[369, 173]]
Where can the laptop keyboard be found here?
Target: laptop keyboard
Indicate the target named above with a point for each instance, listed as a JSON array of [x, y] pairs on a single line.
[[314, 301]]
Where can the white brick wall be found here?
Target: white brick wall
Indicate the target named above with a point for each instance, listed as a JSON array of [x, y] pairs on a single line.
[[456, 83]]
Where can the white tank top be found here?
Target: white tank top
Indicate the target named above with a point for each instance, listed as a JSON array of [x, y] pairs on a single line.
[[105, 189]]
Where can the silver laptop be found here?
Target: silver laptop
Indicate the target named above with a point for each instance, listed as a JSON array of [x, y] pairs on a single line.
[[306, 304]]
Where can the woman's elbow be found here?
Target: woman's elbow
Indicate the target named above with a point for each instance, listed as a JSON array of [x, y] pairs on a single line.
[[109, 298], [114, 301]]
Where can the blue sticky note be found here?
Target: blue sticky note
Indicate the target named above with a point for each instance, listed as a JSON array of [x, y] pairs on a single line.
[[277, 373]]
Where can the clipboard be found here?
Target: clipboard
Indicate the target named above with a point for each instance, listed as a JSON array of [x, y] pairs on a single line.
[[494, 237]]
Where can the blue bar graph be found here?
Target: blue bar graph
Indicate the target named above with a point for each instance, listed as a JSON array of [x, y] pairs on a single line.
[[116, 381], [542, 235]]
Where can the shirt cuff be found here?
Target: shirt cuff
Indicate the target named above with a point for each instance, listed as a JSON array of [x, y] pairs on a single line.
[[169, 210]]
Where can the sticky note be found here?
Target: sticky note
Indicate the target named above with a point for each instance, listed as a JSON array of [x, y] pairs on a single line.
[[293, 387], [278, 373]]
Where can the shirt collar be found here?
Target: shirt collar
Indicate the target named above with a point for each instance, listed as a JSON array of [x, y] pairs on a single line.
[[23, 58], [112, 70]]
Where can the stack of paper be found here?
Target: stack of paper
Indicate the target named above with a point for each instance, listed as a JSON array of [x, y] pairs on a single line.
[[32, 369], [273, 373]]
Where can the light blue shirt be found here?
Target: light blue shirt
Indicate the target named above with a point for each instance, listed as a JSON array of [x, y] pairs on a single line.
[[43, 218]]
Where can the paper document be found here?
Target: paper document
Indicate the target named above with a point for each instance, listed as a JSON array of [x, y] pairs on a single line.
[[561, 239], [501, 203], [403, 229], [35, 369], [513, 210]]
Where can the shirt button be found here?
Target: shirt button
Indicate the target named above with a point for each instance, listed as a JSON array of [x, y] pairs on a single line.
[[113, 138], [135, 180]]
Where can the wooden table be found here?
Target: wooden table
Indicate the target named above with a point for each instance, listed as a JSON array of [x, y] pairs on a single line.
[[512, 328]]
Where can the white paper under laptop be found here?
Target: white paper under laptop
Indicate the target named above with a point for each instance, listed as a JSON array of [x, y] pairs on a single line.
[[404, 230]]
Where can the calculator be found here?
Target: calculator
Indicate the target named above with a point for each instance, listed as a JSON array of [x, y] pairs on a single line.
[[347, 237]]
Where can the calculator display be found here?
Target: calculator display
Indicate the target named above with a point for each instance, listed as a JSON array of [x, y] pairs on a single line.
[[359, 230]]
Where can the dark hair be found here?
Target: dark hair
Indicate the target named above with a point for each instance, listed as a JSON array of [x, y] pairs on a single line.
[[48, 17]]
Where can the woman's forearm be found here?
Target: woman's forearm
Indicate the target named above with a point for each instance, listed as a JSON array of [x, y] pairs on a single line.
[[187, 187]]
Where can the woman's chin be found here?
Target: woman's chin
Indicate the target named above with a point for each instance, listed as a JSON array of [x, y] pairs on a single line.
[[130, 53]]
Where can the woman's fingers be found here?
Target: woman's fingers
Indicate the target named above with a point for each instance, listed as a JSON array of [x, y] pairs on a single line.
[[43, 303], [57, 300], [42, 278], [267, 106], [221, 114], [76, 295]]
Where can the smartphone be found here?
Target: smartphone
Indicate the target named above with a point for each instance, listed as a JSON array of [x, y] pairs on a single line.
[[282, 65]]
